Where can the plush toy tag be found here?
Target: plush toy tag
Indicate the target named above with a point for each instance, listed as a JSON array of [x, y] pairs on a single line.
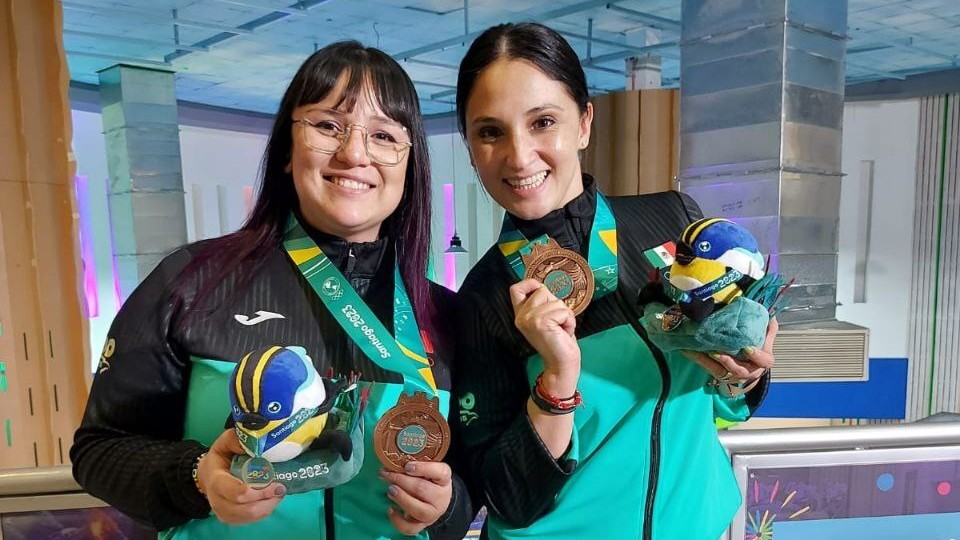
[[661, 256]]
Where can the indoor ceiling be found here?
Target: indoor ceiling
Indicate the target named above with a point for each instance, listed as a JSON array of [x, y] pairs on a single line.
[[240, 54]]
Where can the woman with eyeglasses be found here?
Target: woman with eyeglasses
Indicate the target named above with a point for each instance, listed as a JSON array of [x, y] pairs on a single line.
[[342, 215], [574, 424]]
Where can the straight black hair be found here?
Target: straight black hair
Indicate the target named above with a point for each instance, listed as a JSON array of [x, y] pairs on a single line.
[[541, 46]]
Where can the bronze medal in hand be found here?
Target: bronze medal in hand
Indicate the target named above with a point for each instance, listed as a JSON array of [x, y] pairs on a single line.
[[564, 272], [412, 430]]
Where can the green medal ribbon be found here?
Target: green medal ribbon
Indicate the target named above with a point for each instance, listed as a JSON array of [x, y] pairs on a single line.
[[602, 253], [259, 445], [403, 354]]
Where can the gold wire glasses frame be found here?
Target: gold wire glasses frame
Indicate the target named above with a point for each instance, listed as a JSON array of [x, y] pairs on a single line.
[[328, 140]]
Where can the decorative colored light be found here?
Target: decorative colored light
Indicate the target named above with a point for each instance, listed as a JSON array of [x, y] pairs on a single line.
[[449, 228], [90, 295], [885, 482]]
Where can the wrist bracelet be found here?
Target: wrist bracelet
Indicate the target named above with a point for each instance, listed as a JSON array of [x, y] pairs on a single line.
[[552, 404], [196, 474]]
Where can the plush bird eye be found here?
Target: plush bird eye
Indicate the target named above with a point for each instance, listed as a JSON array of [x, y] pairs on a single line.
[[274, 407], [704, 246]]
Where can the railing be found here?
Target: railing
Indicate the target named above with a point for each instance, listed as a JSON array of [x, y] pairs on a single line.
[[752, 452]]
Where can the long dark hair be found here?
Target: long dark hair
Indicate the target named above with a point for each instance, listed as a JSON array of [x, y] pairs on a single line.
[[541, 46], [408, 226]]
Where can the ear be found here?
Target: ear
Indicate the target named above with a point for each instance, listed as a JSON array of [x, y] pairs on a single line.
[[470, 154], [586, 121]]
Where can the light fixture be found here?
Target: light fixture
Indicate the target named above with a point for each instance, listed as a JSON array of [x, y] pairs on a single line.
[[456, 246]]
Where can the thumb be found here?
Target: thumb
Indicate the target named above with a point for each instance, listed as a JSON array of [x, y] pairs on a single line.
[[520, 291], [227, 444]]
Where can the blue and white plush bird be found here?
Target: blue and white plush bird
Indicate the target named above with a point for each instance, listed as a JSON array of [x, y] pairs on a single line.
[[716, 295], [280, 402], [716, 261]]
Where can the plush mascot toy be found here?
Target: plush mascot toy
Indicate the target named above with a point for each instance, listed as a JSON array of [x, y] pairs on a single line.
[[280, 405], [716, 295]]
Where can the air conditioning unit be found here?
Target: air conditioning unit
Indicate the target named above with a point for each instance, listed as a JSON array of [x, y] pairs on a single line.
[[821, 351]]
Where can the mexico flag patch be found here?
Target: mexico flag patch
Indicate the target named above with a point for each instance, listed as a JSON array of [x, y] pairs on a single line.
[[661, 256]]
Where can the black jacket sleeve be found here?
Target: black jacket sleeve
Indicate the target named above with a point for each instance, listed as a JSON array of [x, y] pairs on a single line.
[[128, 450], [510, 467], [453, 524]]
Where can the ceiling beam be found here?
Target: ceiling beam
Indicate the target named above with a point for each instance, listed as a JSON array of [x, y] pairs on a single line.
[[211, 26], [128, 39], [292, 10], [868, 69], [433, 64], [248, 27], [439, 85], [591, 39], [653, 21], [119, 59], [466, 38], [445, 93], [634, 50]]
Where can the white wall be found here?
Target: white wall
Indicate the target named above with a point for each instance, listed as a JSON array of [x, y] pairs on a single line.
[[218, 166], [477, 216], [886, 134]]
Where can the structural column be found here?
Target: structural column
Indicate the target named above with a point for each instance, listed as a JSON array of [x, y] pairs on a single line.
[[142, 135], [762, 109]]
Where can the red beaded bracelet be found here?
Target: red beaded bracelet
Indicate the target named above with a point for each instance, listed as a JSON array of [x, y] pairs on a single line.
[[552, 404]]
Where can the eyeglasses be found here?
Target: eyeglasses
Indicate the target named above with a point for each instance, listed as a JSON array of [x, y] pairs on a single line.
[[383, 143]]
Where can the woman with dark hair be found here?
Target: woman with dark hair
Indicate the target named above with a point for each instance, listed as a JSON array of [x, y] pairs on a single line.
[[345, 178], [575, 425]]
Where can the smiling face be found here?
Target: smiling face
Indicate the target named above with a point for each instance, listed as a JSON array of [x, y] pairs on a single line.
[[344, 193], [524, 132]]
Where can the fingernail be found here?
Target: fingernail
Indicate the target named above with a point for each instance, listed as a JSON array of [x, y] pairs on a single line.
[[382, 473], [410, 467], [392, 490], [748, 350], [280, 490], [715, 356]]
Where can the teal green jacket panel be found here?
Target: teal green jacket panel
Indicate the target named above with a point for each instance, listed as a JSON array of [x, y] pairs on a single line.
[[300, 515], [607, 493]]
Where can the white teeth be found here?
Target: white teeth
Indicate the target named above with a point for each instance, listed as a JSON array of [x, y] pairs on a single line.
[[529, 182], [350, 184]]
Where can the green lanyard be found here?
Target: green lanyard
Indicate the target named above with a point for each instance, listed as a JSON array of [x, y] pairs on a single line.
[[403, 354], [602, 254]]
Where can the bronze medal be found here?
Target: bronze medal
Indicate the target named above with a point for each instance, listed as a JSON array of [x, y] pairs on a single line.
[[564, 272], [671, 318], [412, 430]]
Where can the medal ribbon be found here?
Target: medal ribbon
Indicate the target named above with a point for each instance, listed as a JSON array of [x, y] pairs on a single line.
[[602, 253], [702, 292], [259, 444], [403, 354]]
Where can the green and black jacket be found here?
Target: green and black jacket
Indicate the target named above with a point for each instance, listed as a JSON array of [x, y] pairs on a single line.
[[160, 397], [644, 460]]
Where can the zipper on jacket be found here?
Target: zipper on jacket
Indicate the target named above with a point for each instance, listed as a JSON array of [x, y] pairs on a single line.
[[656, 421], [351, 262], [328, 514]]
